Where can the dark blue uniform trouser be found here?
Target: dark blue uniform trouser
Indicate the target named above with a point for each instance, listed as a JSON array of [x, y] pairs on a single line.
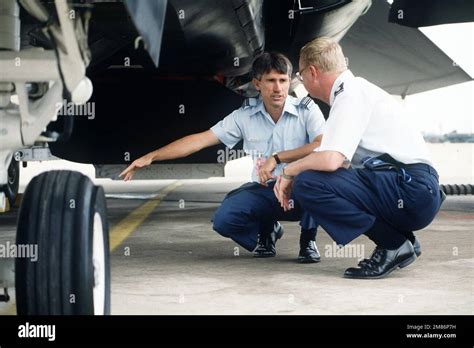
[[350, 202], [252, 209]]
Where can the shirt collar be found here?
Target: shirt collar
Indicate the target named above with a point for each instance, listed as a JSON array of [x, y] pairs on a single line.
[[289, 107], [336, 87]]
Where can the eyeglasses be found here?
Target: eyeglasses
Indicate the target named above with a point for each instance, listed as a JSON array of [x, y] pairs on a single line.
[[299, 74]]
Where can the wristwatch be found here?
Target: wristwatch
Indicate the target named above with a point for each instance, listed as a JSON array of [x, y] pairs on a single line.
[[286, 176], [277, 159]]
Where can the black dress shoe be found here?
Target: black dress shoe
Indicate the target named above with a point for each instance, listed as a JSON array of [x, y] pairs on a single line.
[[309, 252], [416, 248], [266, 242], [382, 262]]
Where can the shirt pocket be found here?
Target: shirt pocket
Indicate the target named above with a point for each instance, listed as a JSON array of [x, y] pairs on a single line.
[[294, 136], [295, 142], [256, 146]]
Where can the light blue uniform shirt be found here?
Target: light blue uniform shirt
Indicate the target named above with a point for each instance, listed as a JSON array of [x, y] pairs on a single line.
[[301, 122]]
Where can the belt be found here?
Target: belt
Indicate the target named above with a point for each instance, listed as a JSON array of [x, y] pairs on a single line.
[[387, 162]]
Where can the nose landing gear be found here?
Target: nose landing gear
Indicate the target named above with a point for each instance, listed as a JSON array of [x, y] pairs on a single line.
[[64, 215]]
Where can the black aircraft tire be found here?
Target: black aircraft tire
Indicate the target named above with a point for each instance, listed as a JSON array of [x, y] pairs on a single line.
[[64, 214]]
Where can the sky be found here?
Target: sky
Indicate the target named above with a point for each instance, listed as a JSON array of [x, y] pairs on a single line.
[[450, 108]]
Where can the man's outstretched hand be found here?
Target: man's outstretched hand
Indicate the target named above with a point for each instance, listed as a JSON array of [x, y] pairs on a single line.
[[141, 162]]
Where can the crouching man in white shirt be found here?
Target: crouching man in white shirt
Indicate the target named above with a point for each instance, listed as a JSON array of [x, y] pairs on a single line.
[[391, 188]]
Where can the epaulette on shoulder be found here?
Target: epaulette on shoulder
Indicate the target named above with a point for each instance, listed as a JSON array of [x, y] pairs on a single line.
[[306, 102], [249, 102]]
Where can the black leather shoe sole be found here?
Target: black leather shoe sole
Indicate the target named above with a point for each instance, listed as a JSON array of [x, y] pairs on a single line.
[[401, 264], [263, 255], [407, 262], [307, 259]]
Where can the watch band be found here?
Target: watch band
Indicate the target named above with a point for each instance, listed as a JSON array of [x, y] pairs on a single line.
[[277, 159], [286, 176]]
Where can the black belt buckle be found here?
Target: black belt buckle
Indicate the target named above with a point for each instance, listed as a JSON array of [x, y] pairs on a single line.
[[374, 163]]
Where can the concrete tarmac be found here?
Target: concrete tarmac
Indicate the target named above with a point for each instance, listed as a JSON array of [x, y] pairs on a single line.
[[174, 263]]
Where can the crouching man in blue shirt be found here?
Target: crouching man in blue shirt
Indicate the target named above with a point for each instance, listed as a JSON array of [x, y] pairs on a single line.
[[275, 127]]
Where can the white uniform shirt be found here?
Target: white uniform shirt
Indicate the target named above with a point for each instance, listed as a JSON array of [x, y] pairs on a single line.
[[300, 123], [367, 121]]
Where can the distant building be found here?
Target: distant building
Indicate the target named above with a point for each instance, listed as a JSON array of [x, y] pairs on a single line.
[[453, 137]]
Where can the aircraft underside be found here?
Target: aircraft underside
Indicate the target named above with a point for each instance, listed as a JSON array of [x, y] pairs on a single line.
[[203, 74]]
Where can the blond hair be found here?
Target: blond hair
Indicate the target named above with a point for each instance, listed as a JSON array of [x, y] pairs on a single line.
[[324, 53]]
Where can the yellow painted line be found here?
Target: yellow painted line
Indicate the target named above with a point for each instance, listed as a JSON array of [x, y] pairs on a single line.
[[10, 310], [18, 199], [130, 223]]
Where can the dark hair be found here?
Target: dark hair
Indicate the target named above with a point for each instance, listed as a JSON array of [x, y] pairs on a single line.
[[268, 61]]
